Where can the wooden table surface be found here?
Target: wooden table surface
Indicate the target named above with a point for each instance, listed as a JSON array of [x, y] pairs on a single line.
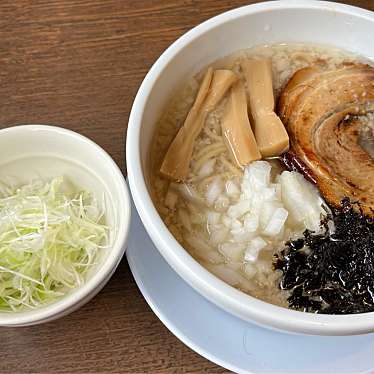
[[78, 64]]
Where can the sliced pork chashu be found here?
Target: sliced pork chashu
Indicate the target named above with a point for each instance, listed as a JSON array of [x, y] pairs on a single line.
[[329, 117]]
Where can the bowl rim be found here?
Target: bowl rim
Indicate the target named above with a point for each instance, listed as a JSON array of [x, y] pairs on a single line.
[[236, 302], [96, 282]]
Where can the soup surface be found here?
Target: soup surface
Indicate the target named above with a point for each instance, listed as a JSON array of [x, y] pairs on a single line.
[[232, 217]]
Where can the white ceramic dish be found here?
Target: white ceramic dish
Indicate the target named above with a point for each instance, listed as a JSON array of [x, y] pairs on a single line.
[[44, 152], [326, 23], [229, 341]]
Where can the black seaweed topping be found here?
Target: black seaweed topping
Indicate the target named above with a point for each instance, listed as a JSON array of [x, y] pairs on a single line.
[[331, 273]]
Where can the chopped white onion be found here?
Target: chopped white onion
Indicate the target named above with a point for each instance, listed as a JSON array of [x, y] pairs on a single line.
[[258, 175], [232, 251], [250, 270], [213, 191], [218, 236], [243, 220], [267, 211], [236, 224], [276, 222], [301, 200], [237, 210], [226, 221], [254, 247], [232, 190], [251, 222]]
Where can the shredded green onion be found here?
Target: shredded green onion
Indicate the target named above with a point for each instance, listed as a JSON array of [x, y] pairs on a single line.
[[49, 239]]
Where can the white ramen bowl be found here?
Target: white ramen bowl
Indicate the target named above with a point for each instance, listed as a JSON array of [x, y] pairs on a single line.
[[44, 152], [325, 23]]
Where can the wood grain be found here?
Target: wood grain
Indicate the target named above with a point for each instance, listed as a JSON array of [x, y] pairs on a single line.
[[78, 64]]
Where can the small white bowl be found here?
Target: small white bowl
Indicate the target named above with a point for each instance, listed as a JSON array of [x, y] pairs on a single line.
[[305, 21], [38, 151]]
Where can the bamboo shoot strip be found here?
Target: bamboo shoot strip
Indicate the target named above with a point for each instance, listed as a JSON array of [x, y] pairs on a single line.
[[237, 129], [177, 160], [271, 136]]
